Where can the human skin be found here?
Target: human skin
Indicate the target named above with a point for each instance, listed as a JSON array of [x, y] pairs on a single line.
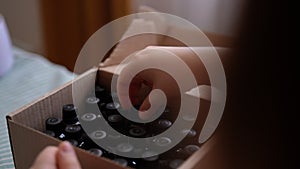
[[158, 79], [61, 157]]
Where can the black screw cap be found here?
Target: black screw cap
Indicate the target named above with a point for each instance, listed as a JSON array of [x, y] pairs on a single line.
[[69, 114]]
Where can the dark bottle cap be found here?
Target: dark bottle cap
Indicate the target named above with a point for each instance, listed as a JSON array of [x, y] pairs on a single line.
[[150, 156], [73, 142], [99, 89], [92, 100], [98, 134], [137, 131], [73, 131], [162, 141], [189, 136], [117, 122], [112, 106], [115, 119], [189, 133], [163, 163], [88, 117], [103, 94], [97, 152], [190, 149], [110, 153], [121, 161], [114, 138], [164, 124], [125, 147], [167, 110], [174, 164], [179, 153], [69, 114], [53, 124], [49, 133]]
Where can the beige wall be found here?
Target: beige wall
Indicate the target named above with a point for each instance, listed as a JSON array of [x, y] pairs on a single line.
[[24, 18], [219, 16], [24, 23]]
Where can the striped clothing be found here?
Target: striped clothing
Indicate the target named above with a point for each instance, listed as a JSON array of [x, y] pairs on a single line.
[[31, 77]]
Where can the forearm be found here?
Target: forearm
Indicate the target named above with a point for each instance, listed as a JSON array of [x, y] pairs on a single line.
[[193, 58]]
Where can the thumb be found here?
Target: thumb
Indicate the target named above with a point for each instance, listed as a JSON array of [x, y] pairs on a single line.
[[46, 159], [153, 105], [66, 157]]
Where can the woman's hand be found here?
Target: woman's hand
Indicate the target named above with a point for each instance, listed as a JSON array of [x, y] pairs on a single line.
[[186, 71], [61, 157], [165, 68]]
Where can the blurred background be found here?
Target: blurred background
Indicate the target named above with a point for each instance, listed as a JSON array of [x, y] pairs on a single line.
[[58, 29]]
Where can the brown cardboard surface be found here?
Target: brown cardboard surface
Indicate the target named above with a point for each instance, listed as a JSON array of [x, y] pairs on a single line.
[[49, 105], [24, 124], [27, 143], [210, 156]]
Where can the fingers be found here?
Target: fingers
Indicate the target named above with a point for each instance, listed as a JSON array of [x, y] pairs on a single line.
[[144, 69], [66, 157], [128, 90], [134, 90], [46, 159], [153, 105], [144, 107]]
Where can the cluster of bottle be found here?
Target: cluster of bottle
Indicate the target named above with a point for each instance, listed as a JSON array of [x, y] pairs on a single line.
[[69, 128]]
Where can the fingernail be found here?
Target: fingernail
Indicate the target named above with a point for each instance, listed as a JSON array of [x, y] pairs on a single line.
[[66, 147]]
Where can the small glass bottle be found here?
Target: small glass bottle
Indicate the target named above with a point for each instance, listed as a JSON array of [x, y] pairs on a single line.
[[69, 114], [54, 124]]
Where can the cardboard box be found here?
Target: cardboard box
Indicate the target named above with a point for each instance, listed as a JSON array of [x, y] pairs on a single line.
[[25, 125]]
